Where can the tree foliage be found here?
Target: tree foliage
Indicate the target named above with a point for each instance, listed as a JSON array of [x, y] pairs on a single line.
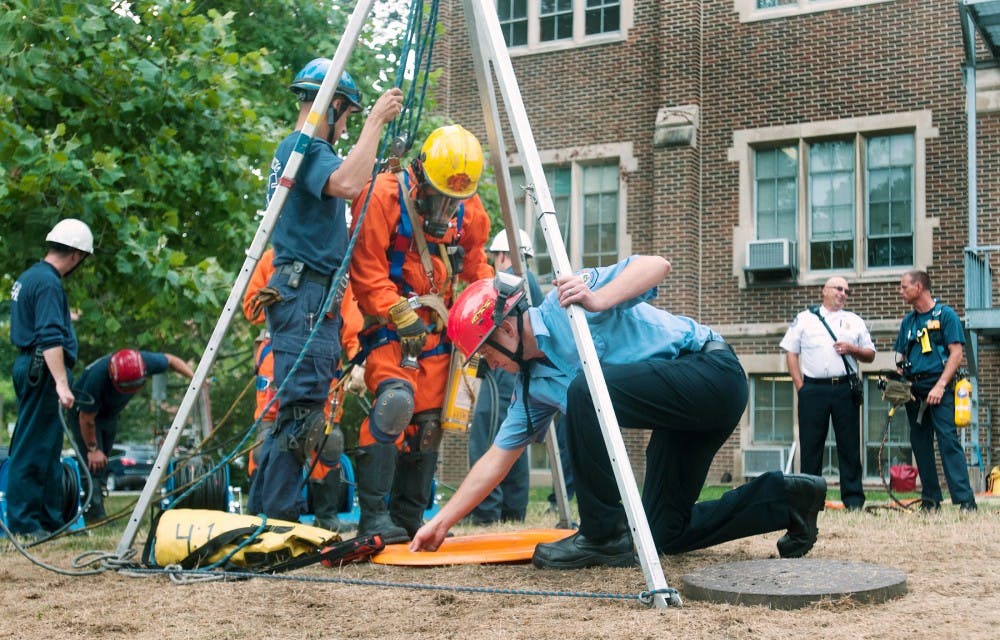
[[154, 122]]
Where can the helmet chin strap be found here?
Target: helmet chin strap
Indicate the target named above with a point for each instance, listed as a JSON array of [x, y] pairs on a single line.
[[517, 356], [332, 116]]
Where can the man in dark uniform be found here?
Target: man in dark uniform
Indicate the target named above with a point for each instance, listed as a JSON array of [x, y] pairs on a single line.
[[310, 240], [930, 346], [665, 373], [509, 500], [104, 389], [42, 330]]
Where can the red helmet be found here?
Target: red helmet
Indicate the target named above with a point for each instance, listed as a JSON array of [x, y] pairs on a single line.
[[127, 370], [473, 318]]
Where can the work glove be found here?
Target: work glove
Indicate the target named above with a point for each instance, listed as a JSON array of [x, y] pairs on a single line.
[[411, 330], [264, 298], [355, 382]]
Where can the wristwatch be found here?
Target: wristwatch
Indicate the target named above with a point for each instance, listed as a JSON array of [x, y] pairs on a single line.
[[91, 446]]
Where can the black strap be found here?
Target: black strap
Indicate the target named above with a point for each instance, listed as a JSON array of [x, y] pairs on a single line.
[[847, 366]]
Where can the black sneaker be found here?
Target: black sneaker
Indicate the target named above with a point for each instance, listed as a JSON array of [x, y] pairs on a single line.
[[578, 552], [968, 506]]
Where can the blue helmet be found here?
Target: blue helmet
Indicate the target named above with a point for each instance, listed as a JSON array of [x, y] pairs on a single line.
[[307, 82]]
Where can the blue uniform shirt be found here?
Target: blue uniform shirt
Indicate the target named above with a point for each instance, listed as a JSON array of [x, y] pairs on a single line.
[[99, 394], [633, 331], [39, 312], [312, 227]]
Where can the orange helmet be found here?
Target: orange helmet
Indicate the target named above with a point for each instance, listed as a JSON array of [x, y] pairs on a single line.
[[474, 316], [127, 370]]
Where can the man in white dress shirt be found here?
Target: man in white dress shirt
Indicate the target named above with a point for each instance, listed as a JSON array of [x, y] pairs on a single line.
[[821, 368]]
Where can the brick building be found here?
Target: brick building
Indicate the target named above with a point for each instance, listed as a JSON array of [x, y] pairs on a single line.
[[803, 138]]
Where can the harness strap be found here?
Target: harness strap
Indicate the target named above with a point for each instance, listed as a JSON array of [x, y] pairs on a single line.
[[380, 335], [409, 210]]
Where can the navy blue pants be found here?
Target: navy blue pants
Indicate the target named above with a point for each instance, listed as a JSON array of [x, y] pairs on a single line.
[[939, 420], [692, 405], [818, 404], [35, 480], [276, 490], [509, 499]]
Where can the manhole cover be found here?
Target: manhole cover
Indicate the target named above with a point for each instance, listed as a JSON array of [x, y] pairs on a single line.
[[793, 583]]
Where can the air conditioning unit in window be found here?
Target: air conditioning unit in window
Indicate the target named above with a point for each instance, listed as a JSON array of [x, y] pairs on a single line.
[[759, 460], [776, 257]]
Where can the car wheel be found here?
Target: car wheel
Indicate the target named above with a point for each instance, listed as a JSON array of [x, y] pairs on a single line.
[[112, 483]]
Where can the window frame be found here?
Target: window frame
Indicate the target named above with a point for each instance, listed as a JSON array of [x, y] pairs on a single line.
[[577, 159], [579, 36], [748, 11], [747, 142]]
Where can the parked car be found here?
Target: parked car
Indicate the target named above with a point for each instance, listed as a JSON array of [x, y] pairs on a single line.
[[129, 466]]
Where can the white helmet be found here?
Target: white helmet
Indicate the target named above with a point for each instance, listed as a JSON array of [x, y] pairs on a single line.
[[500, 243], [72, 233]]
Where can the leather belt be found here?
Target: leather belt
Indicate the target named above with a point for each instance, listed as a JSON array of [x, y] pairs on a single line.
[[304, 272], [717, 345], [838, 380]]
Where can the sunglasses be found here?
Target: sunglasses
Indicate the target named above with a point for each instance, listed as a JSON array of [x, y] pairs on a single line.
[[844, 290]]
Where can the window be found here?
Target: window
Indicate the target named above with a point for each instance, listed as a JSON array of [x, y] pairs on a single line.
[[513, 16], [752, 10], [776, 191], [833, 202], [890, 201], [773, 416], [555, 24], [588, 207], [848, 195]]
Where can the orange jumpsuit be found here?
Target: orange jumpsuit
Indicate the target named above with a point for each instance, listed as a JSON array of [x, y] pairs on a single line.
[[376, 291]]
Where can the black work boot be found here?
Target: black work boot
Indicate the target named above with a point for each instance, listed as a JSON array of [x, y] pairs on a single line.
[[376, 468], [806, 497], [325, 498], [578, 551], [411, 489]]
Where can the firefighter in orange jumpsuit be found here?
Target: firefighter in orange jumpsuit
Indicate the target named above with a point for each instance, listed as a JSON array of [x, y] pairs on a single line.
[[424, 228], [324, 478]]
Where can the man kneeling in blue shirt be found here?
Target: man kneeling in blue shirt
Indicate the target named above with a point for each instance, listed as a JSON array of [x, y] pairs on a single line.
[[664, 373]]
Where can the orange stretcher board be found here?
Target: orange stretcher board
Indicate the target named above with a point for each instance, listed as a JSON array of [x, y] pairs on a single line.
[[481, 548]]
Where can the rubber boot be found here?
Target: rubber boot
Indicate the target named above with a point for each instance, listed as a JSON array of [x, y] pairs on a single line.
[[411, 489], [376, 468], [325, 497]]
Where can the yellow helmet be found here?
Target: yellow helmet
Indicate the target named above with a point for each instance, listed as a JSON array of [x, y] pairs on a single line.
[[452, 161]]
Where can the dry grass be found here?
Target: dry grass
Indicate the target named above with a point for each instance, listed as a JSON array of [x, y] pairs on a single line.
[[951, 561]]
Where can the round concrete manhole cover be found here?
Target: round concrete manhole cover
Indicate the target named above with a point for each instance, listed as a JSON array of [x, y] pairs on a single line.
[[793, 583]]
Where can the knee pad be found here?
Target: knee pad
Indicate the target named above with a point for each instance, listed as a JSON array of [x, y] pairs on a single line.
[[295, 428], [392, 410], [428, 435], [327, 446]]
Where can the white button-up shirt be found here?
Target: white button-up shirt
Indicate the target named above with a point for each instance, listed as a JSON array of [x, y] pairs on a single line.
[[809, 338]]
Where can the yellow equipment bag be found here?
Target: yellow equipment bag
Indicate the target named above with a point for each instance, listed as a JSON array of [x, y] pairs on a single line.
[[461, 393], [195, 538]]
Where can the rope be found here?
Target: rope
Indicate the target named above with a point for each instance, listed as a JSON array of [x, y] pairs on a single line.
[[188, 576]]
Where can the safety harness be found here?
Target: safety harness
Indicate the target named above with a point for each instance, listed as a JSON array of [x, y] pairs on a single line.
[[378, 333]]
